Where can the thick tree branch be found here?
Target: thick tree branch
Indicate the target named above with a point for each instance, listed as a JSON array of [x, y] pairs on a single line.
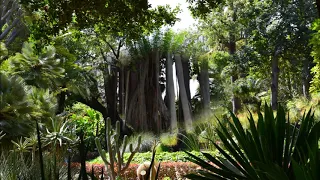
[[5, 33], [110, 46], [119, 47], [116, 54]]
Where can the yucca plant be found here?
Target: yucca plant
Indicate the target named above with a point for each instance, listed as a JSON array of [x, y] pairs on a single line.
[[265, 150]]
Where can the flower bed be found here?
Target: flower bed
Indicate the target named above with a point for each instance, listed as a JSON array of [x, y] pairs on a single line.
[[172, 170]]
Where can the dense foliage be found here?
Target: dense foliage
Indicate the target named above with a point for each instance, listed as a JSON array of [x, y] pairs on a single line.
[[68, 68]]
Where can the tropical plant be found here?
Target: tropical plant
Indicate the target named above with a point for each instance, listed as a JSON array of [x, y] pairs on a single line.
[[13, 167], [59, 133], [113, 144], [270, 149], [58, 137], [190, 141], [41, 70], [44, 104], [3, 52], [15, 107], [86, 119]]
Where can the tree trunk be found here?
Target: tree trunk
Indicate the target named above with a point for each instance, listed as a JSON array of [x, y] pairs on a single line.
[[236, 105], [289, 84], [170, 93], [186, 75], [306, 78], [127, 93], [204, 86], [186, 78], [110, 86], [183, 94], [275, 81], [121, 90], [61, 100], [146, 108]]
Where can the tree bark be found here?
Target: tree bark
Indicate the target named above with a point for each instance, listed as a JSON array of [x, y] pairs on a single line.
[[183, 94], [127, 87], [236, 105], [186, 78], [146, 108], [318, 6], [61, 100], [306, 78], [170, 93], [137, 112], [121, 90], [275, 80], [186, 75], [110, 87], [204, 86]]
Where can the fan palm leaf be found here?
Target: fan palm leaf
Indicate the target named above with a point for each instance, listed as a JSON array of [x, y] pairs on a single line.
[[39, 70], [14, 106]]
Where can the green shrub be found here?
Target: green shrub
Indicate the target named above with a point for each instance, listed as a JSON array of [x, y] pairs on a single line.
[[139, 158], [169, 139], [87, 119]]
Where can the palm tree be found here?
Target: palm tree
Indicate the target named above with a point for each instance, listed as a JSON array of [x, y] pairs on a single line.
[[15, 108], [41, 70]]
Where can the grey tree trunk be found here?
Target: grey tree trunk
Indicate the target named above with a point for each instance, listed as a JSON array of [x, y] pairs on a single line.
[[204, 86], [121, 90], [186, 75], [186, 78], [127, 93], [306, 78], [236, 105], [275, 81], [183, 94], [170, 93]]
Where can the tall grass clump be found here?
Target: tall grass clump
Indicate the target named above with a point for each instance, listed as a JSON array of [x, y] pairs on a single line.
[[298, 106]]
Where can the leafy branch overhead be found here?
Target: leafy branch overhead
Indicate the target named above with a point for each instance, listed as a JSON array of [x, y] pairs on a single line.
[[201, 8], [119, 18]]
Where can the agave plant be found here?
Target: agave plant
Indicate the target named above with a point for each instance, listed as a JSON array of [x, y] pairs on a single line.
[[272, 148], [59, 133]]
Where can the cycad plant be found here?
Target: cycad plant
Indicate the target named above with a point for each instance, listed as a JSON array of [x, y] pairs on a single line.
[[272, 148]]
